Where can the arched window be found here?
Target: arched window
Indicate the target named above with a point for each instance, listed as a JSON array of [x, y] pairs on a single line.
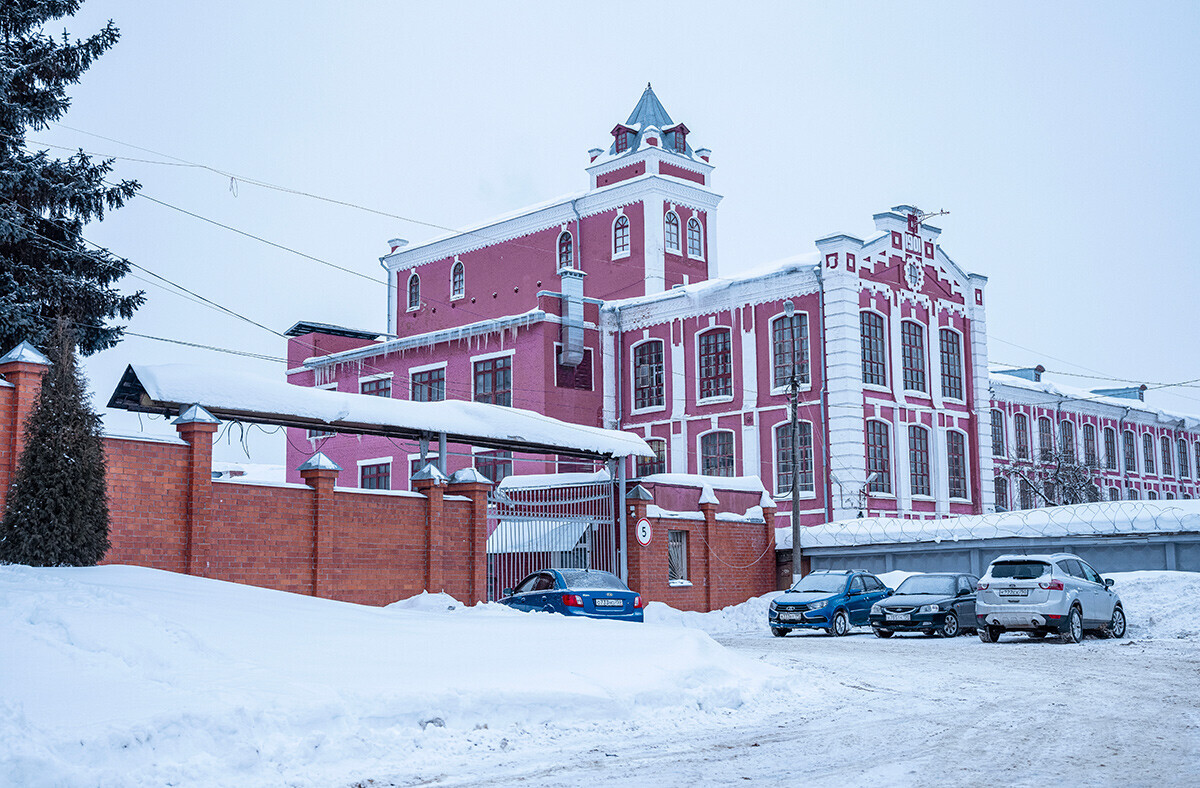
[[648, 374], [671, 225], [565, 251], [1148, 452], [956, 464], [716, 364], [414, 292], [1021, 437], [716, 453], [1089, 446], [657, 464], [1045, 438], [694, 241], [879, 458], [1131, 465], [1131, 494], [952, 373], [786, 331], [998, 448], [1110, 448], [1184, 466], [458, 280], [783, 458], [1114, 494], [1165, 443], [918, 460], [874, 359], [1066, 439], [621, 236]]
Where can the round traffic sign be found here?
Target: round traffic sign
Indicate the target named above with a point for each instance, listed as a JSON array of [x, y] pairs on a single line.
[[644, 532]]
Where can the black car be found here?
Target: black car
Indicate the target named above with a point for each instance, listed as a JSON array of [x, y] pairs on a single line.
[[936, 603]]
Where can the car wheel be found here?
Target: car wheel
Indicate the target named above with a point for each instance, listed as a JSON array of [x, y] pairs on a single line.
[[1073, 631], [990, 634], [840, 624], [884, 633], [949, 627], [1116, 627], [779, 631]]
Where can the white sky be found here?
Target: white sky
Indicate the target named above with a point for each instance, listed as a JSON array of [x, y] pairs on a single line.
[[1061, 138]]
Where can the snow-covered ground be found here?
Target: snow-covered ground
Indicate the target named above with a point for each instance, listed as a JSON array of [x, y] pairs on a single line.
[[130, 676]]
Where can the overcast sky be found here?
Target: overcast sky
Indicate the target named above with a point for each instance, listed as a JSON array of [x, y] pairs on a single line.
[[1061, 137]]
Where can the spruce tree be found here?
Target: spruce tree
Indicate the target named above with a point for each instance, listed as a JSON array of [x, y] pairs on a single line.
[[46, 270], [57, 508]]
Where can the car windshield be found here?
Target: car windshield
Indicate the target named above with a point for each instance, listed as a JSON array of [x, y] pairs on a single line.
[[923, 584], [819, 581], [583, 580], [1019, 570]]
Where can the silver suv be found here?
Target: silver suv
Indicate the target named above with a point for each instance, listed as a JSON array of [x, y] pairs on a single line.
[[1040, 594]]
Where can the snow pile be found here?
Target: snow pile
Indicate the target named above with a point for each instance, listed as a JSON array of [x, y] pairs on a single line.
[[748, 616], [129, 676], [1159, 605], [1105, 518]]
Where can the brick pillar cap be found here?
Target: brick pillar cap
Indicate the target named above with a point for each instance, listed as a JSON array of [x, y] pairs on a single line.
[[708, 496], [766, 501], [429, 473], [25, 353], [638, 493], [195, 414], [319, 462], [469, 476]]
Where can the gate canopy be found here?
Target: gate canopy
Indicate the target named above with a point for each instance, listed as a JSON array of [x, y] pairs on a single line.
[[234, 396]]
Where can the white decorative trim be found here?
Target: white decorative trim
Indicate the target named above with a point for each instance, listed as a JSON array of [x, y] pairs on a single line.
[[719, 398], [678, 234], [457, 263], [733, 444], [784, 496], [410, 306], [687, 249], [489, 356], [633, 409], [628, 235]]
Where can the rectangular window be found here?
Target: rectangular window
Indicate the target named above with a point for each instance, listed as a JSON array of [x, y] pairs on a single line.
[[1110, 448], [716, 364], [646, 465], [1148, 452], [716, 453], [912, 337], [648, 375], [677, 556], [1089, 446], [1066, 439], [494, 464], [1045, 439], [576, 377], [1165, 442], [1027, 497], [998, 433], [1048, 492], [952, 375], [1021, 435], [918, 459], [375, 477], [380, 387], [1184, 470], [429, 386], [874, 358], [1130, 453], [784, 332], [493, 381], [879, 458], [956, 462], [1001, 494], [783, 458]]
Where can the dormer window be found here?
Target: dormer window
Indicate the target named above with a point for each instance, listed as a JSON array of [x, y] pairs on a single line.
[[565, 251], [622, 140], [680, 142]]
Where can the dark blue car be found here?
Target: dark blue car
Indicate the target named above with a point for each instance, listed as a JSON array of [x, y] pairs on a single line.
[[827, 599], [576, 592]]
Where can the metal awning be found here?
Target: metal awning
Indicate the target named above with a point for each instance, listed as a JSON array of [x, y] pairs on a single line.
[[231, 396], [537, 536]]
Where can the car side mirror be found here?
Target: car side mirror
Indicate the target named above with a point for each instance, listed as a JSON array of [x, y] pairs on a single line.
[[964, 592], [1108, 582], [506, 592]]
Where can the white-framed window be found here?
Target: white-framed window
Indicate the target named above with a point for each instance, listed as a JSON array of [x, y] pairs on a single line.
[[620, 241], [950, 348], [414, 292], [999, 445], [376, 385], [646, 466], [716, 453], [879, 457], [874, 348], [566, 250], [912, 352], [458, 280], [671, 232], [784, 331], [783, 459], [649, 390], [415, 464], [491, 375], [956, 464], [321, 434], [918, 461], [677, 557], [714, 352], [695, 239], [375, 474], [427, 383], [1001, 487]]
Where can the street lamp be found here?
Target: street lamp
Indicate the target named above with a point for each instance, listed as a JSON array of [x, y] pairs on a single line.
[[789, 309]]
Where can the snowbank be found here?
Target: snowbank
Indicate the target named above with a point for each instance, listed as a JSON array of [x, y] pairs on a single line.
[[129, 676]]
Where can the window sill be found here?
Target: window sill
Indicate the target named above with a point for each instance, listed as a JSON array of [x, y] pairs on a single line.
[[679, 583], [621, 256], [652, 409], [413, 309], [877, 388], [458, 297], [804, 496], [779, 391], [722, 400]]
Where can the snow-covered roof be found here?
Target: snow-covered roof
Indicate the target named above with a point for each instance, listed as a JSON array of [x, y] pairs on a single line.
[[706, 289], [25, 353], [534, 480], [235, 396], [700, 481], [1056, 391], [1110, 518], [648, 116]]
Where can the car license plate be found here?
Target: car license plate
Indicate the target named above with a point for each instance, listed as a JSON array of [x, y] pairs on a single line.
[[898, 617], [609, 603], [1014, 592], [790, 616]]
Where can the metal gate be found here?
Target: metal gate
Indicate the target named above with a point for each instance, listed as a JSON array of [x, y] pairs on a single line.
[[531, 527]]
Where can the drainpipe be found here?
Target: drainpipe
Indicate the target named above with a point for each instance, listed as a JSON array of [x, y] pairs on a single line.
[[827, 486]]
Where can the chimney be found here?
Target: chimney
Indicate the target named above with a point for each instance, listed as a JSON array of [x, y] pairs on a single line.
[[595, 153], [704, 153], [397, 243]]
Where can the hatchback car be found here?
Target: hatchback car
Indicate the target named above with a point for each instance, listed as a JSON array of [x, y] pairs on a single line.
[[576, 592], [827, 599], [1040, 594], [935, 603]]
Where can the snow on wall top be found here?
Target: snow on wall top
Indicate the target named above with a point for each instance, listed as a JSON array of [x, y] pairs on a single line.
[[533, 480], [1110, 518], [234, 392], [1056, 391], [700, 481]]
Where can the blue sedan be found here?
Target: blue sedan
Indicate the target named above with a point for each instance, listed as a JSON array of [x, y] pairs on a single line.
[[576, 592]]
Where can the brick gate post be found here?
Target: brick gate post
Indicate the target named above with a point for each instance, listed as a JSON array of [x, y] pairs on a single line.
[[709, 510], [431, 483], [472, 484], [636, 502], [321, 473], [196, 426], [22, 369]]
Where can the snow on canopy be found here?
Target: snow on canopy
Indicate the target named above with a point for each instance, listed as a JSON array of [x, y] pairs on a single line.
[[237, 396], [1111, 518]]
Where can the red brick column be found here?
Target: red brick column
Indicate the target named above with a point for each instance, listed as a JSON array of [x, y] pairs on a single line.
[[322, 481], [26, 380], [635, 509], [475, 537], [709, 510], [435, 532], [198, 435]]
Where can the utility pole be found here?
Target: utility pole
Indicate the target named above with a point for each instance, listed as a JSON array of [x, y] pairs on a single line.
[[789, 310]]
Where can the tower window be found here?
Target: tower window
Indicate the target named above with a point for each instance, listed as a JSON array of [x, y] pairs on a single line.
[[414, 292], [680, 141], [565, 251], [621, 236], [622, 140], [671, 224], [458, 280], [695, 244]]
